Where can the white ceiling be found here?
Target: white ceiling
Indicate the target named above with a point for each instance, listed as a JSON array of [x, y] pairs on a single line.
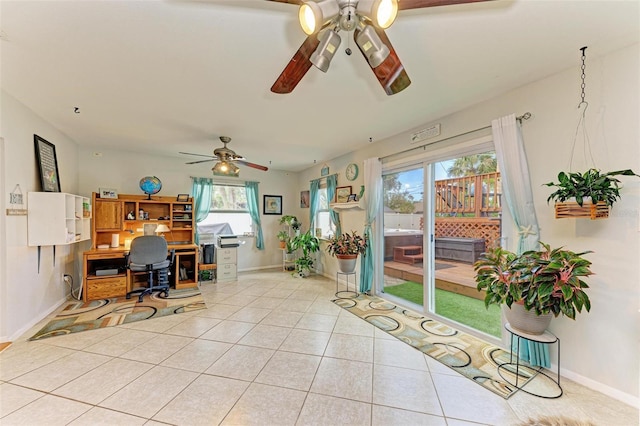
[[169, 76]]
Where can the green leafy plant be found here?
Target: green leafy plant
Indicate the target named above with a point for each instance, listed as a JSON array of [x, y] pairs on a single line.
[[592, 183], [283, 236], [545, 281], [347, 244], [308, 244], [291, 221]]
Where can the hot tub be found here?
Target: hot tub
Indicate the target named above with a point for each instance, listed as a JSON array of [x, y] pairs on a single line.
[[400, 237]]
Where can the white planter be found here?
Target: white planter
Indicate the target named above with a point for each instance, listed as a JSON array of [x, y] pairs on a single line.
[[527, 321], [347, 262]]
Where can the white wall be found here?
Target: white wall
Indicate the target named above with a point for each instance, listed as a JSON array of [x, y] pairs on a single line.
[[599, 349], [123, 170], [27, 294]]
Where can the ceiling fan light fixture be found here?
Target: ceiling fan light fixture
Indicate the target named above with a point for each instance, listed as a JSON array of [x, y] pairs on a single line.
[[381, 12], [372, 46], [329, 43], [224, 168], [313, 15]]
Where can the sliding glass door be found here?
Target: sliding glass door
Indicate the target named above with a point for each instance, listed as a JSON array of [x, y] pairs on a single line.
[[439, 216]]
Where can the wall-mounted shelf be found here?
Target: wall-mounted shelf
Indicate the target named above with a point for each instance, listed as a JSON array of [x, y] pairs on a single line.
[[353, 205]]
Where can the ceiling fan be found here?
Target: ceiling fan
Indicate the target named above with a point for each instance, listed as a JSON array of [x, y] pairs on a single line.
[[225, 157], [321, 20]]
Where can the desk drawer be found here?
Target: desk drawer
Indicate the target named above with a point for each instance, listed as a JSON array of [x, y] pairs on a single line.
[[227, 255], [104, 288], [227, 272]]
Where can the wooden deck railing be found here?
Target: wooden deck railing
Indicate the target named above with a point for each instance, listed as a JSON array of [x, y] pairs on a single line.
[[476, 196]]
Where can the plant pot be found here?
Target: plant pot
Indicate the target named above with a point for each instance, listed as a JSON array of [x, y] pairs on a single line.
[[347, 262], [283, 244], [526, 321]]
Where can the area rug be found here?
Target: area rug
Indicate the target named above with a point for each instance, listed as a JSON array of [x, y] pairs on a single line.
[[466, 354], [80, 316]]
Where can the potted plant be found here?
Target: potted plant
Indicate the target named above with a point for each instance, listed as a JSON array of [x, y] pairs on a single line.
[[308, 244], [283, 236], [290, 221], [346, 248], [537, 284], [591, 186]]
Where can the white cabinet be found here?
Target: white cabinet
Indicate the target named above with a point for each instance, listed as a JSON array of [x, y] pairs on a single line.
[[56, 218], [227, 261]]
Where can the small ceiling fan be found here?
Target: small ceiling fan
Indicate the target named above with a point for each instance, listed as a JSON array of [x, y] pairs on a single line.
[[225, 157], [321, 20]]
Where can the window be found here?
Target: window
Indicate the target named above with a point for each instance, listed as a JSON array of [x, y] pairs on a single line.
[[229, 205], [323, 218]]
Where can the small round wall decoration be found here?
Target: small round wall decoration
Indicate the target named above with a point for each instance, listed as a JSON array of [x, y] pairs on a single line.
[[352, 171]]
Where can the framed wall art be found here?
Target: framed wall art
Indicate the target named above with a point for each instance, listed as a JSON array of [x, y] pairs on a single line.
[[342, 194], [47, 164], [272, 204], [304, 199]]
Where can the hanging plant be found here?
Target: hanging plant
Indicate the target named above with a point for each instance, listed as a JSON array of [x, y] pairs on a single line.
[[589, 194], [592, 185]]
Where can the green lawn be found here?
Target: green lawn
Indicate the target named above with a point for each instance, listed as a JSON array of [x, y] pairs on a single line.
[[463, 309]]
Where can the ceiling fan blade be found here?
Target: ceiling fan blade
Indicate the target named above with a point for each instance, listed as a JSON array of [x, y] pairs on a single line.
[[390, 73], [254, 165], [297, 67], [199, 155], [201, 161], [418, 4], [298, 2]]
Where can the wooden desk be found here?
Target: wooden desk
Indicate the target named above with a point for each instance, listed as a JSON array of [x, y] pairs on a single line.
[[117, 285]]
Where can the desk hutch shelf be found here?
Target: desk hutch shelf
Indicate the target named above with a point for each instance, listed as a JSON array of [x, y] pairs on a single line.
[[104, 270]]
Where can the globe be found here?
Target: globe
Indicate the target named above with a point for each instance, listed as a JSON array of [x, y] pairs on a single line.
[[150, 185]]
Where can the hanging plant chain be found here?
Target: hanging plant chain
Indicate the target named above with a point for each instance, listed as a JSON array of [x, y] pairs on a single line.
[[582, 122]]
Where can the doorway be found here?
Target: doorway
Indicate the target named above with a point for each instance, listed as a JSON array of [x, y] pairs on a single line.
[[432, 237]]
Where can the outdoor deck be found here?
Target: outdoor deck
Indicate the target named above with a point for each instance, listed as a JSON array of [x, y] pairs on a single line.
[[451, 276]]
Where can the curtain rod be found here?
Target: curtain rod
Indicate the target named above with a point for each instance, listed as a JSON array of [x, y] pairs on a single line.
[[324, 177], [525, 116]]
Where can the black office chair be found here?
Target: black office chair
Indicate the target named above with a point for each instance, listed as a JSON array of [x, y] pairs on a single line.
[[149, 254]]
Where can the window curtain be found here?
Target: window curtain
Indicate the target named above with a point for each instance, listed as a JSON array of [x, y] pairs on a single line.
[[314, 202], [251, 188], [201, 190], [372, 199], [518, 196], [332, 183]]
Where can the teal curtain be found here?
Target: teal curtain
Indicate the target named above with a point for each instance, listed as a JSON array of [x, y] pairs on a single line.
[[518, 196], [373, 183], [314, 202], [332, 183], [252, 191], [201, 190]]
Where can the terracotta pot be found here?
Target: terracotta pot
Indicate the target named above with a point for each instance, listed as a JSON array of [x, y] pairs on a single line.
[[283, 244], [526, 321], [347, 262]]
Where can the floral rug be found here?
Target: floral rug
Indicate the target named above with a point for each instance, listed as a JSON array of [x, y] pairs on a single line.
[[471, 357], [80, 316]]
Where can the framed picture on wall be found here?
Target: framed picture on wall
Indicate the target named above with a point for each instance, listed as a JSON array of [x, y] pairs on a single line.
[[342, 194], [47, 165], [272, 204], [304, 199]]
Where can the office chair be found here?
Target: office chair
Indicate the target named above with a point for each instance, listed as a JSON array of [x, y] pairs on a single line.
[[149, 254]]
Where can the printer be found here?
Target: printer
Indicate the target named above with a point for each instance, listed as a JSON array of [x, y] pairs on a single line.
[[228, 241]]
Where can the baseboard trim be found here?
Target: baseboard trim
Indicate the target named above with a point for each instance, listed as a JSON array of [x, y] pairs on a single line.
[[600, 387], [15, 336]]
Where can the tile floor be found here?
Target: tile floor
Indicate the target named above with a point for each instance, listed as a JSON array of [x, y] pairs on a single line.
[[269, 350]]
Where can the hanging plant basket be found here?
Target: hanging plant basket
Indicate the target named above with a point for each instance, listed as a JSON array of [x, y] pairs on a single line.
[[591, 211]]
